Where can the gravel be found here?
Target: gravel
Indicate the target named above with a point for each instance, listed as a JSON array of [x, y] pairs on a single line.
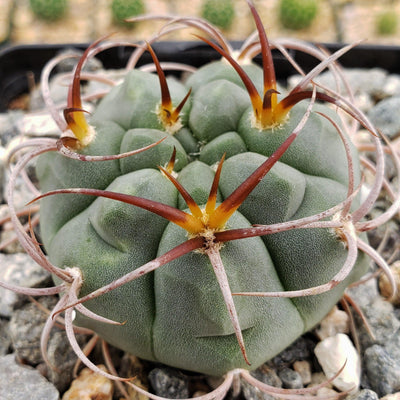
[[290, 378], [385, 116], [382, 369], [169, 383], [20, 270], [23, 382], [25, 327]]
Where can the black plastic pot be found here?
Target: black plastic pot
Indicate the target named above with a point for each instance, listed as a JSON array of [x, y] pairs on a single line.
[[16, 63]]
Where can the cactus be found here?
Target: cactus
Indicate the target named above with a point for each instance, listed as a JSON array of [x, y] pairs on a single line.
[[386, 23], [122, 9], [297, 14], [207, 224], [220, 13], [49, 10]]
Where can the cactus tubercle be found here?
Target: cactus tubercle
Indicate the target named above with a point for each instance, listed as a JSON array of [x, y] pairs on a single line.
[[168, 115]]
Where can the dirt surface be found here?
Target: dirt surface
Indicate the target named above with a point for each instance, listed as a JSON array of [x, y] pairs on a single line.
[[86, 20]]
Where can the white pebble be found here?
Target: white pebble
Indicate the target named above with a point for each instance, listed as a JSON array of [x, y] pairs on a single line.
[[337, 321], [332, 353], [393, 396], [325, 393]]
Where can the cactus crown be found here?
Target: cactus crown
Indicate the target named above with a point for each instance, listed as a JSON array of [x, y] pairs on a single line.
[[267, 111]]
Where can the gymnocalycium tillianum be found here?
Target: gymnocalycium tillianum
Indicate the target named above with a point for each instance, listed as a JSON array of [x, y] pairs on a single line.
[[209, 223]]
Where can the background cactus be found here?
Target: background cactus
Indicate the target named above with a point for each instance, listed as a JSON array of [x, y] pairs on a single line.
[[297, 14], [122, 9], [50, 10], [386, 23], [220, 13]]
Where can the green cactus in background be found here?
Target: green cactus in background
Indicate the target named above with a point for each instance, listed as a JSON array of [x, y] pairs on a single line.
[[122, 9], [297, 14], [386, 23], [49, 10], [203, 224], [220, 13]]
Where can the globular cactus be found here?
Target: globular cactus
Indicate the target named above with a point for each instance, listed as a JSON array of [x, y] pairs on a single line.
[[207, 224], [49, 10], [123, 9], [386, 23], [177, 314], [297, 14], [220, 13]]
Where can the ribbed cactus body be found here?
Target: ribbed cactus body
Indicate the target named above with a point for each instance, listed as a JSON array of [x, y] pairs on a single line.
[[176, 315]]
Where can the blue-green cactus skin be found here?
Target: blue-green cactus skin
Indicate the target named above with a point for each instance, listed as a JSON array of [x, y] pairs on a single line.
[[177, 315]]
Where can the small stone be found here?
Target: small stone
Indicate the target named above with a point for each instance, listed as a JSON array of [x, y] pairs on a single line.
[[22, 382], [303, 368], [380, 314], [8, 238], [9, 128], [37, 124], [61, 355], [68, 64], [394, 396], [393, 346], [26, 327], [20, 270], [332, 353], [384, 116], [365, 394], [290, 379], [326, 393], [382, 320], [364, 294], [391, 86], [169, 383], [337, 321], [385, 287], [364, 101], [265, 375], [90, 385], [5, 340], [368, 81], [301, 349], [364, 81], [382, 369]]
